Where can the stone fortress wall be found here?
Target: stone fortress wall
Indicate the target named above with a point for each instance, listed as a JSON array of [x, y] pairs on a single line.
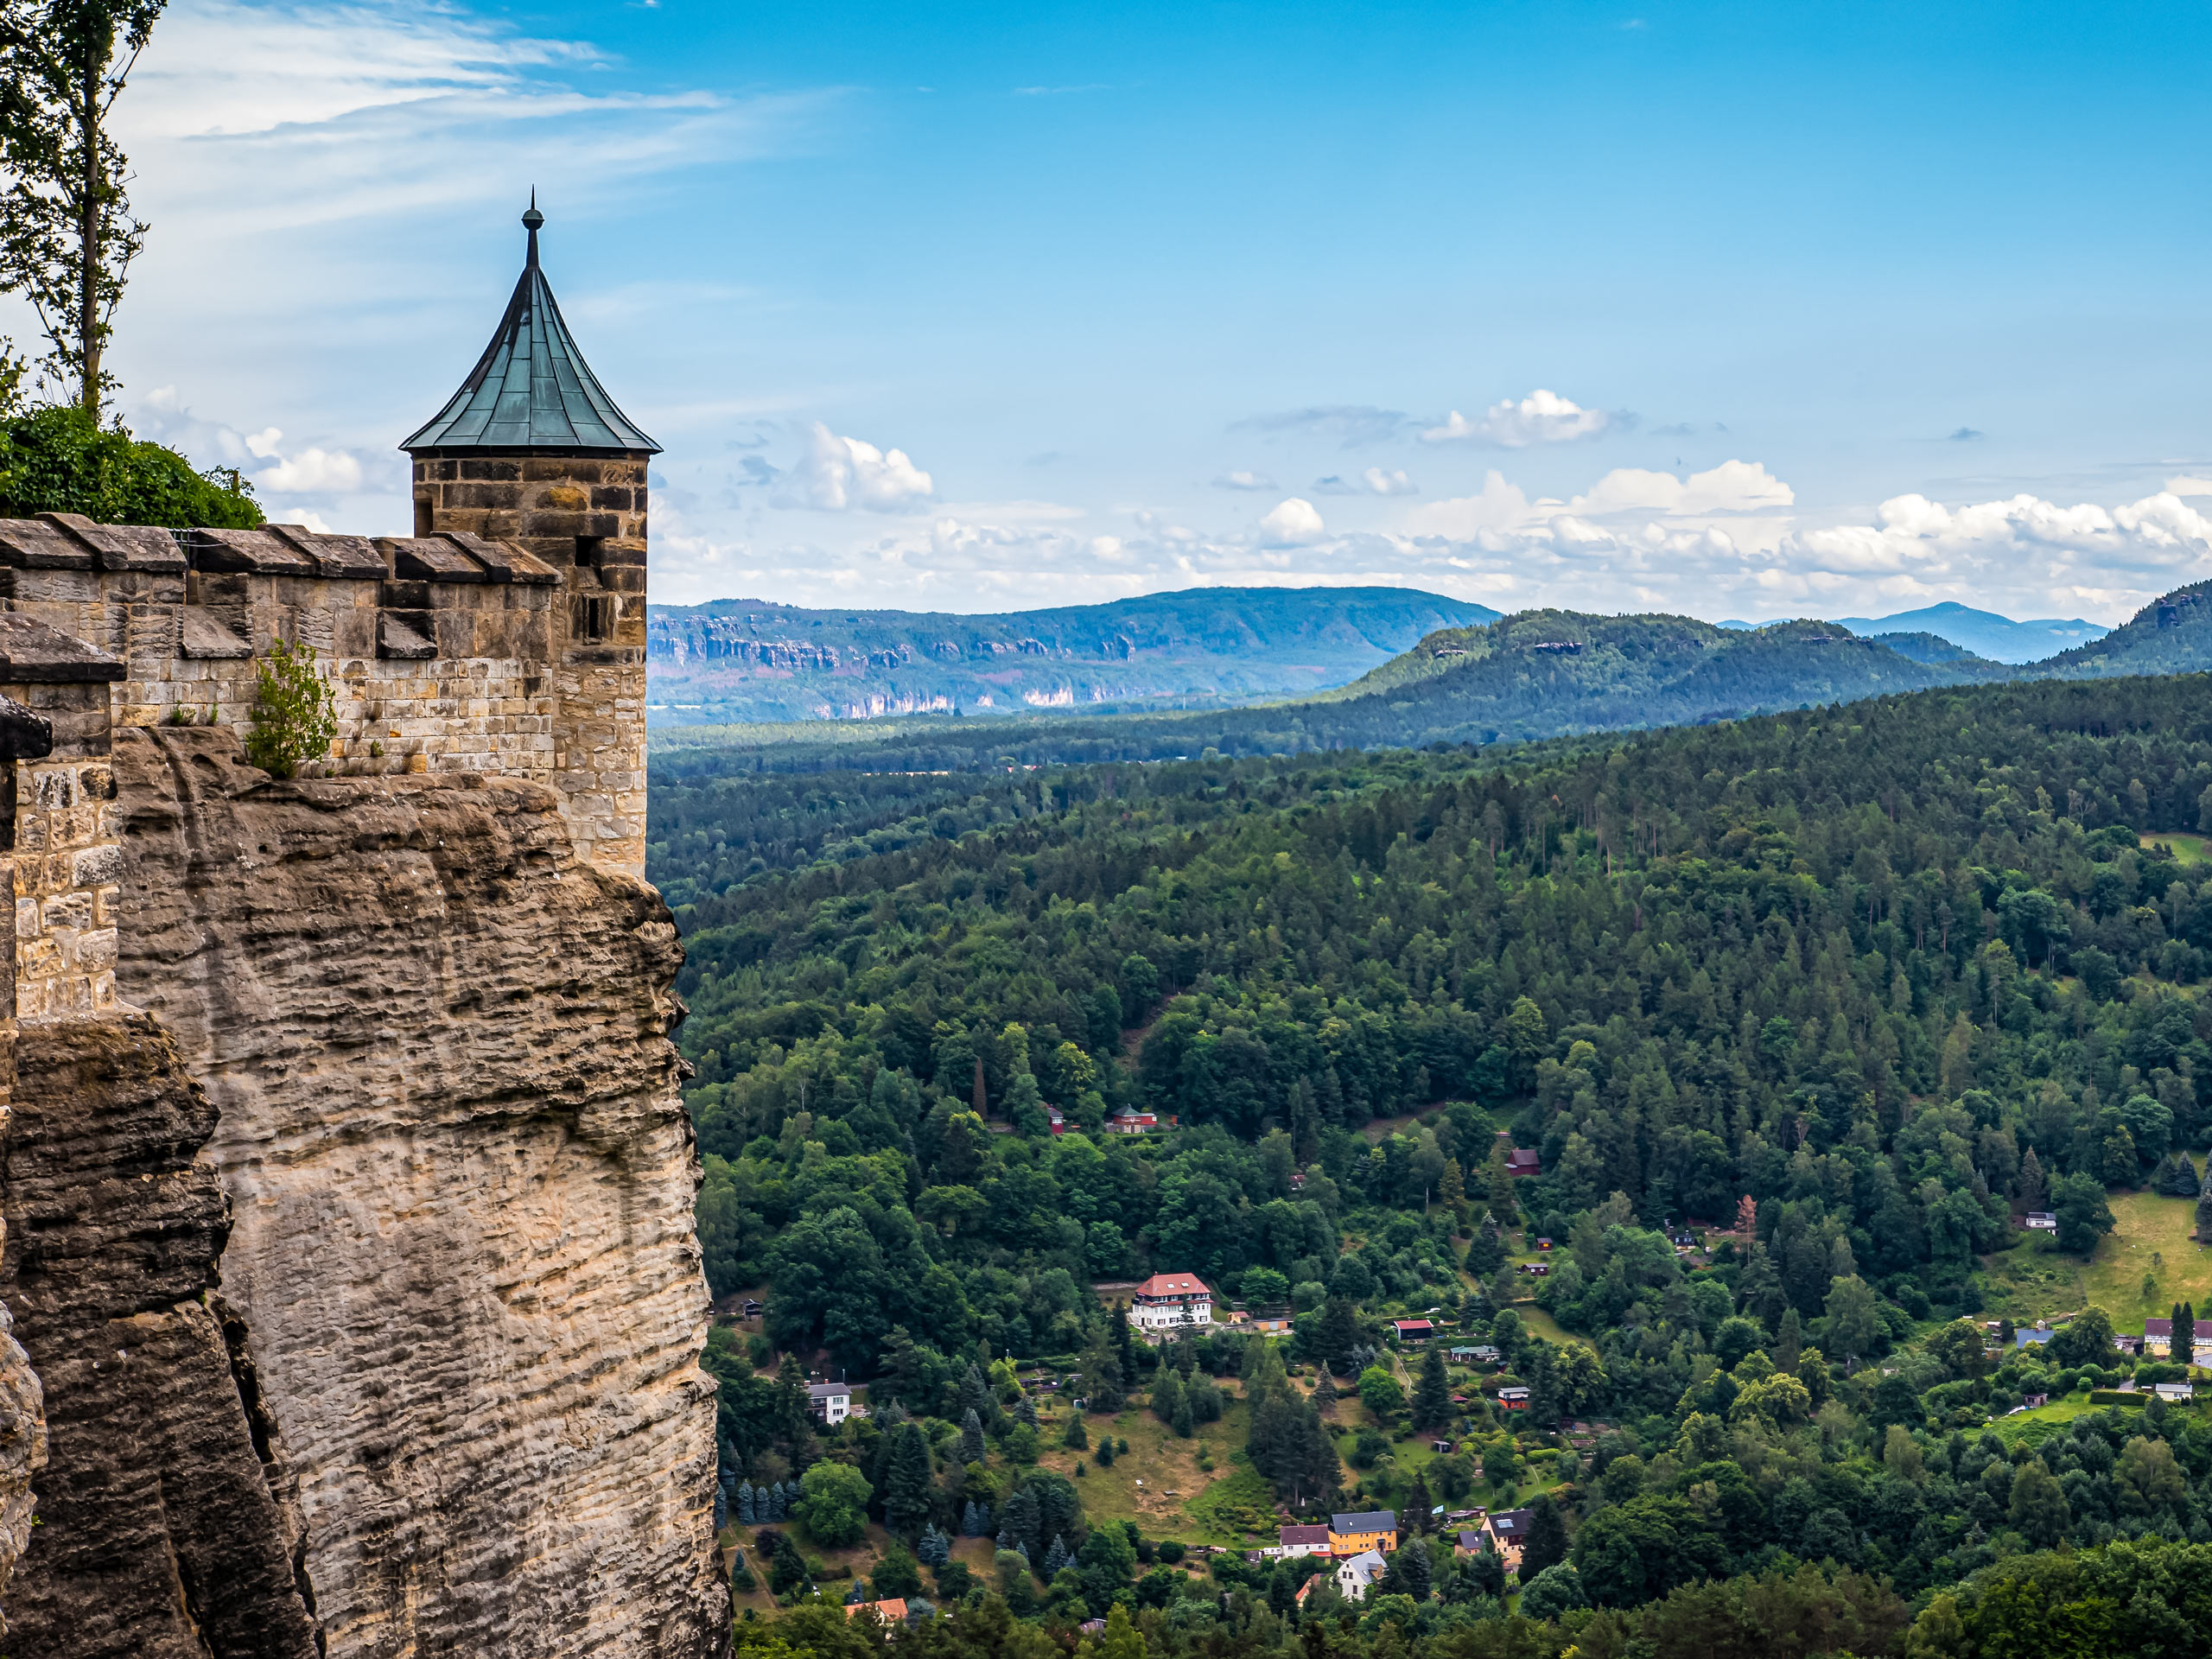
[[449, 652]]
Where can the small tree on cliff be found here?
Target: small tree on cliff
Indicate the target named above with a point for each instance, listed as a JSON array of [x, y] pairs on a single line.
[[295, 712]]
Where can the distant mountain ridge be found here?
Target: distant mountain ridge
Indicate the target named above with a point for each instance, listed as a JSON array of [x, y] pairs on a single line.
[[742, 659], [1985, 634], [1533, 676]]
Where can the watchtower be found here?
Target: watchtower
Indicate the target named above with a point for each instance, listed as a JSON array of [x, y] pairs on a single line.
[[532, 450]]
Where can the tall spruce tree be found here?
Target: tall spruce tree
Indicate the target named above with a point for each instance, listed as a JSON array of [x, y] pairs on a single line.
[[1432, 1391], [2182, 1349], [1546, 1543], [907, 1495], [1104, 1387]]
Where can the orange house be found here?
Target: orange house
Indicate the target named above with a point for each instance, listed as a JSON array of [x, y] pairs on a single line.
[[1356, 1533]]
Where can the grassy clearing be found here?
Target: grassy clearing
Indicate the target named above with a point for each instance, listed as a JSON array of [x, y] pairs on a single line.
[[1176, 1498], [2187, 848], [1539, 1322], [2037, 1426], [2152, 1235], [2151, 1226]]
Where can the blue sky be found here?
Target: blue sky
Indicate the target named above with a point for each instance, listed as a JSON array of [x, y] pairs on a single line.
[[1735, 310]]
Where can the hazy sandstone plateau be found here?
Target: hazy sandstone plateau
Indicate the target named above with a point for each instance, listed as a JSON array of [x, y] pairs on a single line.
[[352, 1303]]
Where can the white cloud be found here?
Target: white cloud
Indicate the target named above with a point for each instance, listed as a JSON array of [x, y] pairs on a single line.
[[1374, 481], [2160, 541], [1540, 417], [1243, 480], [2188, 484], [1293, 523], [312, 472], [839, 474], [261, 445], [1733, 486]]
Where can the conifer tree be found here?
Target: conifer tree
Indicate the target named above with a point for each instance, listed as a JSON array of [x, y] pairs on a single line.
[[1498, 1181], [1789, 1342], [2029, 1188], [1167, 1394], [1433, 1391], [2204, 1213], [1416, 1572], [1184, 1420], [1076, 1438], [1024, 1521], [975, 1396], [2182, 1349], [972, 1449], [1419, 1506], [1452, 1189], [1546, 1544], [1103, 1383], [1056, 1558], [1317, 1471], [747, 1515], [906, 1493]]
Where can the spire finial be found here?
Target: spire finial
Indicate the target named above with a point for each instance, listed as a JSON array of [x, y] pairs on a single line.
[[531, 220]]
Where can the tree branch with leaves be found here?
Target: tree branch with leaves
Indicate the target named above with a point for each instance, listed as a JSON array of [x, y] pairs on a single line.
[[68, 235]]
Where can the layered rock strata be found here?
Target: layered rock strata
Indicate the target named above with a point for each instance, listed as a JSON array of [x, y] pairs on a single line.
[[160, 1534], [461, 1257]]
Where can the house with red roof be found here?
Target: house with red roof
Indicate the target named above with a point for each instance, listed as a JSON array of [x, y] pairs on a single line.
[[1168, 1302]]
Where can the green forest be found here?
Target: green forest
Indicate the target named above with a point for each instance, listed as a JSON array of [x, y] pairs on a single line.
[[1801, 1013]]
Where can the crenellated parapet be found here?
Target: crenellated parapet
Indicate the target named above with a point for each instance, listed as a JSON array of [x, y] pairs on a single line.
[[446, 653]]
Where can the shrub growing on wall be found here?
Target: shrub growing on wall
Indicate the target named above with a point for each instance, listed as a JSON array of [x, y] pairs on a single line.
[[60, 460], [295, 712]]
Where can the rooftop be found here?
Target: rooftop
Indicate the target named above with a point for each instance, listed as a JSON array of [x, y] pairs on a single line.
[[1173, 1284], [1365, 1521], [828, 1390], [532, 392]]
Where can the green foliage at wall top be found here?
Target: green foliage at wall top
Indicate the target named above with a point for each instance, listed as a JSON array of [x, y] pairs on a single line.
[[60, 460]]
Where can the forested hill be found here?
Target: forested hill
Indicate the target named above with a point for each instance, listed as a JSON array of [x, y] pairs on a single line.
[[2170, 635], [743, 659], [1857, 984], [1533, 676]]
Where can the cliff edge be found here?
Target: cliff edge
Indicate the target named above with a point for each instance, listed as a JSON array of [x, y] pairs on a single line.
[[460, 1182]]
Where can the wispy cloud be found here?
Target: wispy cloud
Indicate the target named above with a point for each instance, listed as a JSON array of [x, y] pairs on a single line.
[[1352, 424], [1374, 481], [1242, 479]]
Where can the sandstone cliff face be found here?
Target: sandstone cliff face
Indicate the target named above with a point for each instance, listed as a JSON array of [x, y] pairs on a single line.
[[159, 1534], [22, 1452], [462, 1254]]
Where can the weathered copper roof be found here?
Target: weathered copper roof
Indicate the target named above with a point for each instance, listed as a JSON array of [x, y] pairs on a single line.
[[532, 392]]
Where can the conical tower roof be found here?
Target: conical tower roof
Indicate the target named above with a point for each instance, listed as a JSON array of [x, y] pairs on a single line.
[[532, 392]]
